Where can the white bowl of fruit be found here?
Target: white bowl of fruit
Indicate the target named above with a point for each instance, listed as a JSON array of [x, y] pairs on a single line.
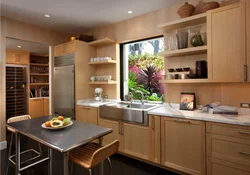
[[57, 123]]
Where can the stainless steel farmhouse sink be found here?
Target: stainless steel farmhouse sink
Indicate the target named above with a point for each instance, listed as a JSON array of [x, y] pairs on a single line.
[[127, 112]]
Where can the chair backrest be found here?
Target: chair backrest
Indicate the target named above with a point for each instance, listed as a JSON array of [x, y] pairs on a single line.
[[18, 118], [103, 153]]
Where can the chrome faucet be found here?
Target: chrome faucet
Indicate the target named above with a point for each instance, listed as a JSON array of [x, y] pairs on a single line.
[[142, 97], [163, 98]]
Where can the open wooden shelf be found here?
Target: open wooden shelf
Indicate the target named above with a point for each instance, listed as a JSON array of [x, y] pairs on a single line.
[[187, 51], [185, 22], [186, 81], [39, 74], [103, 62], [102, 42], [36, 64], [39, 84], [103, 82]]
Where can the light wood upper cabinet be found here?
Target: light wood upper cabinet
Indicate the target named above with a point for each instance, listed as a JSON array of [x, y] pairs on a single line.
[[36, 108], [65, 48], [17, 57], [87, 114], [227, 43], [183, 145], [46, 107], [115, 135]]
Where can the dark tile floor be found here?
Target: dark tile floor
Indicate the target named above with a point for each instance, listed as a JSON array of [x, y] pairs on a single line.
[[122, 165]]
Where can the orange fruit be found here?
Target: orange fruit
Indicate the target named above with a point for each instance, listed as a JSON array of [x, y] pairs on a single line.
[[60, 118], [47, 124]]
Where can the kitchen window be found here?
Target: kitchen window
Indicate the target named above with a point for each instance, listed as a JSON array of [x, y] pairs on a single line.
[[142, 68]]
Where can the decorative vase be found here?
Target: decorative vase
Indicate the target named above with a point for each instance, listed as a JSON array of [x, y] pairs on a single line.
[[186, 10], [210, 6]]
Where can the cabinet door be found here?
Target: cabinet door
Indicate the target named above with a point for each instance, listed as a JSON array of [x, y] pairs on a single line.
[[248, 37], [136, 140], [46, 107], [17, 57], [227, 43], [65, 48], [115, 135], [36, 108], [87, 114], [183, 145]]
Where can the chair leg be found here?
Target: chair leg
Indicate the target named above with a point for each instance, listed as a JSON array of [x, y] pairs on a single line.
[[71, 168], [110, 165], [90, 172], [9, 154], [40, 149]]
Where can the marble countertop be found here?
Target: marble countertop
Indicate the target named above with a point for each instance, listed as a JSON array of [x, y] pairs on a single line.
[[172, 110], [92, 103], [39, 98]]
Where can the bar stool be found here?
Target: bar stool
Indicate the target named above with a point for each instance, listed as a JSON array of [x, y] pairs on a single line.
[[90, 155], [38, 154]]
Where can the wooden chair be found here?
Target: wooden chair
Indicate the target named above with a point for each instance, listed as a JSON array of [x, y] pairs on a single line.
[[38, 154], [92, 154]]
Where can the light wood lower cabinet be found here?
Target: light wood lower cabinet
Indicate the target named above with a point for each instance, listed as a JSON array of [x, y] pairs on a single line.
[[135, 140], [87, 114], [36, 108], [115, 135], [183, 145], [46, 107], [228, 149]]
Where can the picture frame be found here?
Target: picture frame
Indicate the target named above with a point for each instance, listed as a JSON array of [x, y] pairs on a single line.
[[187, 101]]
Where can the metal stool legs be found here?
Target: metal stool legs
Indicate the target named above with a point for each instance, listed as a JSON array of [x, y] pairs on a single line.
[[90, 172], [110, 165], [39, 154]]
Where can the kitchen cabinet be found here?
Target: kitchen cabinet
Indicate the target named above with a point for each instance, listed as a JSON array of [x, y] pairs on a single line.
[[228, 149], [142, 141], [17, 57], [87, 114], [65, 48], [248, 37], [36, 107], [183, 145], [138, 141], [227, 43], [46, 107], [115, 135]]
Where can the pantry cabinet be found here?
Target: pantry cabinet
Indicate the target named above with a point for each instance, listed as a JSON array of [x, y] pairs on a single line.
[[87, 114], [46, 107], [65, 48], [227, 43], [228, 149], [17, 57], [36, 107], [183, 145]]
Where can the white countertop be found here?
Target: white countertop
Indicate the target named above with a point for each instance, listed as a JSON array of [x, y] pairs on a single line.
[[39, 98], [172, 110], [92, 103]]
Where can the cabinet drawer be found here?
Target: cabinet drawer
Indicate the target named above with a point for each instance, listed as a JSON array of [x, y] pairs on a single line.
[[228, 130], [229, 149], [220, 167]]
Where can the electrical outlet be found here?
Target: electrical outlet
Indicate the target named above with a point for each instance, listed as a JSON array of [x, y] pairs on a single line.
[[245, 105]]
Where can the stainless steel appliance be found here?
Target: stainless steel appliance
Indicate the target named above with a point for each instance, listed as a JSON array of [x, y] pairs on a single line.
[[136, 113], [64, 85]]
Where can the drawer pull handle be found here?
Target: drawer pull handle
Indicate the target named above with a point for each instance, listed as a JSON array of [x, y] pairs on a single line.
[[243, 132], [182, 121], [86, 108], [244, 153]]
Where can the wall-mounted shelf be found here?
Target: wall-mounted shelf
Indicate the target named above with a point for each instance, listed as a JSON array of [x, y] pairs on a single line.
[[39, 84], [39, 74], [186, 81], [103, 62], [36, 64], [103, 82], [187, 51], [102, 42], [185, 22]]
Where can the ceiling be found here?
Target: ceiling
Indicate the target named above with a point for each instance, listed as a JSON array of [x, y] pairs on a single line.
[[77, 16], [33, 48]]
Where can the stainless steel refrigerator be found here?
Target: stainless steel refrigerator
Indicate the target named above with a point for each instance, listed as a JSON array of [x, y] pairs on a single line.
[[64, 86]]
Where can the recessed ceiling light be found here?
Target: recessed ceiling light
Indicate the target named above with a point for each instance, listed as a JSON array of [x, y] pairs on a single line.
[[47, 16], [19, 46], [130, 12]]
